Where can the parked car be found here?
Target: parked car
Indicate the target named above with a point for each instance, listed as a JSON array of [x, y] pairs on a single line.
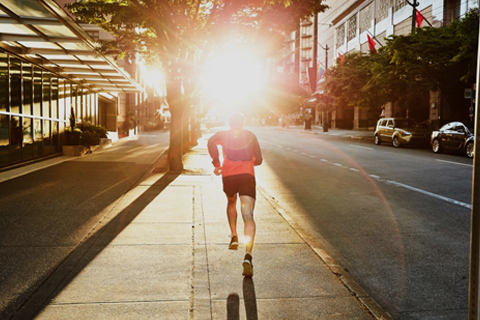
[[400, 131], [454, 136]]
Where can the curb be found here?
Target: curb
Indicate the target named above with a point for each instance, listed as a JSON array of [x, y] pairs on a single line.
[[355, 289]]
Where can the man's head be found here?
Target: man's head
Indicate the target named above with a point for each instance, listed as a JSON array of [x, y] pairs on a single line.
[[236, 121]]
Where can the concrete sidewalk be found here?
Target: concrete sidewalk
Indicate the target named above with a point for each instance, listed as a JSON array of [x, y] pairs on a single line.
[[162, 254]]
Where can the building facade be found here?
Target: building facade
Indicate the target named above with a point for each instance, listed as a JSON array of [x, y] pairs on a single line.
[[49, 66], [343, 29]]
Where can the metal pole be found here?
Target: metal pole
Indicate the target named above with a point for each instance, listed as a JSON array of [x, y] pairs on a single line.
[[414, 15], [473, 287], [326, 56]]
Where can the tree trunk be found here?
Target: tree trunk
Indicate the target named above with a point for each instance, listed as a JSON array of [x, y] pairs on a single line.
[[185, 129], [177, 107], [176, 137]]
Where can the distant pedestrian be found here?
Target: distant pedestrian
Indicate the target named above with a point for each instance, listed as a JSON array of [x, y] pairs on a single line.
[[241, 152]]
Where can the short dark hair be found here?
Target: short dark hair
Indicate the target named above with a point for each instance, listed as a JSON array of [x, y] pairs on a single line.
[[236, 120]]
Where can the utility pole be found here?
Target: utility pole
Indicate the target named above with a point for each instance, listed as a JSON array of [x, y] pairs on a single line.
[[473, 286]]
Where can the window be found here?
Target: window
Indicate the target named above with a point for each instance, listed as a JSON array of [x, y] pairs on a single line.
[[399, 4], [341, 35], [381, 9], [46, 94], [366, 18], [352, 28], [3, 81], [15, 85], [37, 92], [27, 88]]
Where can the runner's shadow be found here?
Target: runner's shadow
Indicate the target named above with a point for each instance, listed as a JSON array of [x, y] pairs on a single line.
[[233, 307], [250, 299]]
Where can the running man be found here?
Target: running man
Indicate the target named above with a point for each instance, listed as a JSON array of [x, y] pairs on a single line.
[[241, 152]]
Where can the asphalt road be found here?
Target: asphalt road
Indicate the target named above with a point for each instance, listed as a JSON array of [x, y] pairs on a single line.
[[397, 219]]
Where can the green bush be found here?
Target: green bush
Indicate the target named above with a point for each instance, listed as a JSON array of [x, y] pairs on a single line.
[[91, 134]]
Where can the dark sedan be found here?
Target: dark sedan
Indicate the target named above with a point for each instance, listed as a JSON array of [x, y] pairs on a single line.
[[454, 136]]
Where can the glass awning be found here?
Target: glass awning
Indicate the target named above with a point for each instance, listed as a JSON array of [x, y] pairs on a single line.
[[43, 34]]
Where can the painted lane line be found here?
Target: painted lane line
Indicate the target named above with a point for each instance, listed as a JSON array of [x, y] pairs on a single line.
[[354, 169], [338, 164], [312, 157], [461, 164], [374, 176], [303, 153], [366, 148], [324, 160], [450, 200]]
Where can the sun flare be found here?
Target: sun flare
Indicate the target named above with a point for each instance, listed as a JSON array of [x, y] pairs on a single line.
[[233, 78]]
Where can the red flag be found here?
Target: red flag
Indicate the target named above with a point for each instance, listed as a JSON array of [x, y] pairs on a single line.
[[340, 56], [371, 44], [419, 18]]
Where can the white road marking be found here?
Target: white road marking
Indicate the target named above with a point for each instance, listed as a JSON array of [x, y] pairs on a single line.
[[312, 157], [367, 148], [338, 164], [374, 176], [303, 153], [324, 160], [354, 169], [459, 203], [462, 164]]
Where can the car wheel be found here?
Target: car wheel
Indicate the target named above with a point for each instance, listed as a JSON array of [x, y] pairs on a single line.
[[377, 140], [436, 147], [469, 149], [396, 142]]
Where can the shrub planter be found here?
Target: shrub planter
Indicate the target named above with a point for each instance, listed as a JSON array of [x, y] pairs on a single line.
[[74, 151], [73, 138]]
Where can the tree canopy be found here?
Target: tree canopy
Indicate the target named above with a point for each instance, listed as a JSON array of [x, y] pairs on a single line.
[[179, 35]]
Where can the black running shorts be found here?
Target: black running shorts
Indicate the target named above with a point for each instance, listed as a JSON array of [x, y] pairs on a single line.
[[243, 184]]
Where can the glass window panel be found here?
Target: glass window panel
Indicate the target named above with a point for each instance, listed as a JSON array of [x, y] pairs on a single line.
[[37, 92], [27, 88], [55, 136], [3, 81], [55, 31], [366, 18], [27, 8], [341, 35], [352, 27], [4, 140], [16, 138], [46, 94], [54, 103], [381, 9], [400, 4], [37, 144], [27, 138], [48, 147], [15, 85]]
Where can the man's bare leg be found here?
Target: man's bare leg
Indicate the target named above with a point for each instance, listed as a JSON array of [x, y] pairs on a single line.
[[247, 206], [232, 218]]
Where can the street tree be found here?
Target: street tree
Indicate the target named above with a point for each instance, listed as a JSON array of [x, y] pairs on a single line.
[[359, 81], [437, 58], [180, 35]]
